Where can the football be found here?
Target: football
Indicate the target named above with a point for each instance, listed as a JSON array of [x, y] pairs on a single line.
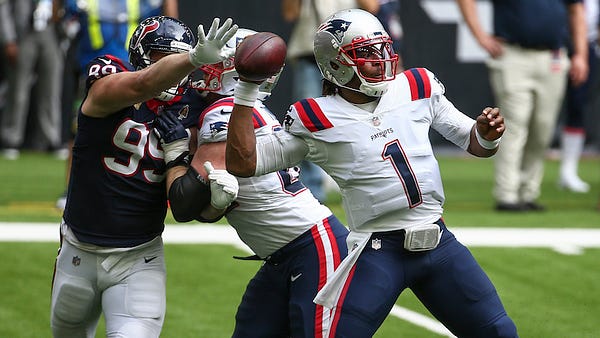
[[260, 56]]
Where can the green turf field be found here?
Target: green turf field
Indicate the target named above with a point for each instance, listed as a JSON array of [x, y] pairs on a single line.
[[548, 294]]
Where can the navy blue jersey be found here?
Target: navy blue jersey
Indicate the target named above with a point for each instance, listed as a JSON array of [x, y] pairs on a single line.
[[532, 23], [117, 195]]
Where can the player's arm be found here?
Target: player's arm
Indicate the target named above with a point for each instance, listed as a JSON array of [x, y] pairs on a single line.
[[116, 91], [244, 156], [204, 197]]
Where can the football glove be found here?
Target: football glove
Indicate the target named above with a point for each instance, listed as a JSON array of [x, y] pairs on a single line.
[[223, 186], [174, 138], [209, 48]]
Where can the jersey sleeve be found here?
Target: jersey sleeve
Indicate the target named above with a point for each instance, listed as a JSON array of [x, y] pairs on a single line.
[[305, 117], [448, 120], [105, 65], [214, 122]]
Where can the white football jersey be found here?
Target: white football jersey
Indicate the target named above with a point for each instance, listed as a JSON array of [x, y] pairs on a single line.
[[383, 160], [273, 209]]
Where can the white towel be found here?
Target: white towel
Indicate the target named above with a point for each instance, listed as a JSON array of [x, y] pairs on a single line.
[[328, 296]]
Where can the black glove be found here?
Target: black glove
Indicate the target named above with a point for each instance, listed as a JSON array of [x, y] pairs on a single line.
[[174, 138]]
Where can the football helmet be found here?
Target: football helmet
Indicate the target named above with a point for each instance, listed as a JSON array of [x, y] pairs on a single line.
[[162, 34], [222, 77], [346, 41]]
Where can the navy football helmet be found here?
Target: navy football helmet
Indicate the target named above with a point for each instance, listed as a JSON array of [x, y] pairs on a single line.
[[161, 34]]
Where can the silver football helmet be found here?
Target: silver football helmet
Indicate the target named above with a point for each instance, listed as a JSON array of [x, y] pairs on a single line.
[[222, 77], [347, 40]]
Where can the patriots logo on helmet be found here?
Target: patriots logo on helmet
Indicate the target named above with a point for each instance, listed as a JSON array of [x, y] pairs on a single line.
[[148, 28], [336, 27], [218, 127]]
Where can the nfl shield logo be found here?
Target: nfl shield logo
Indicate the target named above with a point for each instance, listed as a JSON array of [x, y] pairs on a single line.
[[376, 243], [76, 260]]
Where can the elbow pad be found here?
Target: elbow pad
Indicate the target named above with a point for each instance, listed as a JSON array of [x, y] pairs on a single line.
[[188, 196]]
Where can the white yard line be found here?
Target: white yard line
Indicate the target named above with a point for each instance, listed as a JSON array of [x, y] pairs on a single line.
[[563, 240]]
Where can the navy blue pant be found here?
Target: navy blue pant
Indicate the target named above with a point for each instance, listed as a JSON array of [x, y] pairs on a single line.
[[578, 98], [278, 301], [447, 280]]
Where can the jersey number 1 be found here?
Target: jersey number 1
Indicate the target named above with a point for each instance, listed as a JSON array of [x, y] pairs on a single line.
[[393, 152]]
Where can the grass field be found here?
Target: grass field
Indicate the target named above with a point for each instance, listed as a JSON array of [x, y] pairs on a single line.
[[547, 293]]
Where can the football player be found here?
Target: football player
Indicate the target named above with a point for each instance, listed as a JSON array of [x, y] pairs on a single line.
[[111, 258], [299, 239], [370, 133]]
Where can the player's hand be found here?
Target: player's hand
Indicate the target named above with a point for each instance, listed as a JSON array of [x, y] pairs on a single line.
[[174, 137], [209, 48], [490, 124], [223, 186]]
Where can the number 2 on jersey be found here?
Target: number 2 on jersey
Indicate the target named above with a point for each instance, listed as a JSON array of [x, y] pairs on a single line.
[[393, 152]]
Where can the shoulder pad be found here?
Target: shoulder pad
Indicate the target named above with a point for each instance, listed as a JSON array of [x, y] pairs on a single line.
[[423, 83], [307, 113], [105, 65]]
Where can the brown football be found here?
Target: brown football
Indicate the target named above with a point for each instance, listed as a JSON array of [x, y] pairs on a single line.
[[260, 56]]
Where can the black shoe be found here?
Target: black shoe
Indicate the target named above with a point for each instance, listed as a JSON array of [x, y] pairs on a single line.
[[511, 207], [532, 206]]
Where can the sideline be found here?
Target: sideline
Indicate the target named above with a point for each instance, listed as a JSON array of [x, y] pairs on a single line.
[[569, 241]]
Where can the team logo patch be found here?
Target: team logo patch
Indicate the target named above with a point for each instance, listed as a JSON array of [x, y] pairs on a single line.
[[376, 121], [376, 243], [183, 112], [335, 27], [287, 122], [218, 127], [76, 260]]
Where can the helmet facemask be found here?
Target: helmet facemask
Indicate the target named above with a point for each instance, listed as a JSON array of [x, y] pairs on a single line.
[[221, 77]]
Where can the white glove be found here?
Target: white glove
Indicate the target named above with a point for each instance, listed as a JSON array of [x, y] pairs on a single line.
[[209, 48], [223, 186]]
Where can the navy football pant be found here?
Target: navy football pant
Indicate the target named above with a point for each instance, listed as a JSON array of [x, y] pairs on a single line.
[[278, 301], [447, 280]]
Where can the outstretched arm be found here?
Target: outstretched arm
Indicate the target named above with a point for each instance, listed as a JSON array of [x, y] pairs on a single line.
[[198, 192], [116, 91]]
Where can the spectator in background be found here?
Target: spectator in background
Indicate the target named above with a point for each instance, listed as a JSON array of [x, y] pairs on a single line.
[[91, 30], [578, 99], [528, 73], [34, 61], [306, 76]]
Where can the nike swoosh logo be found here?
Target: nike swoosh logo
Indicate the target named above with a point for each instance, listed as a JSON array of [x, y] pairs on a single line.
[[149, 259], [293, 278], [105, 61]]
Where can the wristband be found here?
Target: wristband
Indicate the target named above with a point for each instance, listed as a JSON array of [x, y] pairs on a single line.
[[489, 145], [245, 93]]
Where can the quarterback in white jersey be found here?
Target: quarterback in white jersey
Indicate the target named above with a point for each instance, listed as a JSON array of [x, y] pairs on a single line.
[[300, 240], [370, 133]]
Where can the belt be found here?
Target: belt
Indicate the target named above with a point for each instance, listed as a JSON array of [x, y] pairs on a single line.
[[533, 47]]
